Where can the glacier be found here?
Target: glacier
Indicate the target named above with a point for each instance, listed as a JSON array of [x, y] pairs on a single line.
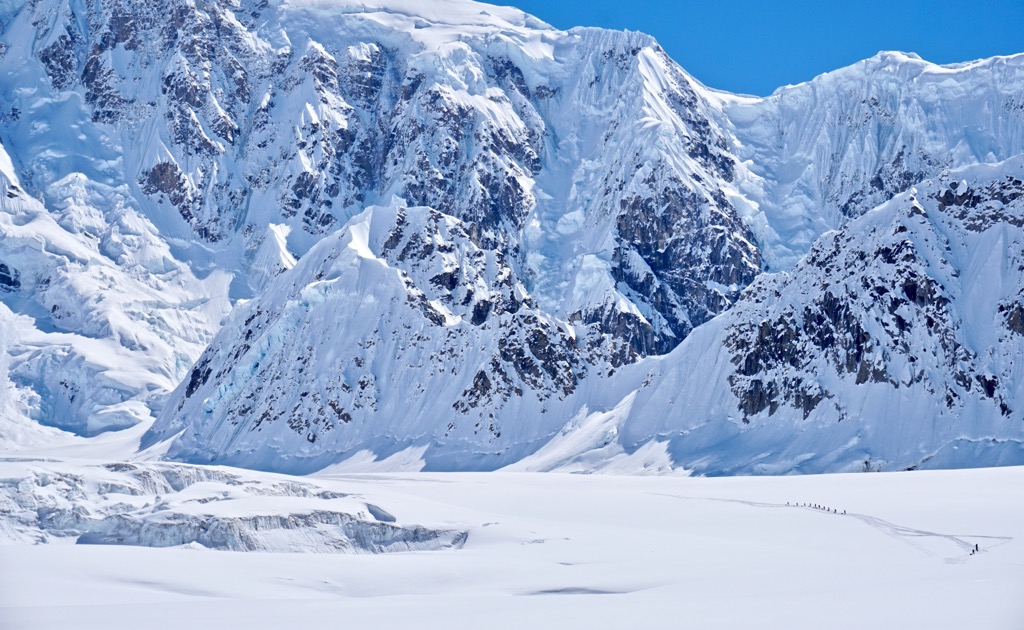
[[596, 550], [175, 505]]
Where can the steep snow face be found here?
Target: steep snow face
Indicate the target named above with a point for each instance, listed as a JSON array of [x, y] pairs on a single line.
[[399, 316], [100, 321], [822, 152], [634, 229], [896, 343]]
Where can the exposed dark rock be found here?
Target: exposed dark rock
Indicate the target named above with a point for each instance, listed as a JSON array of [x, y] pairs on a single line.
[[9, 278], [688, 249], [199, 376], [60, 60], [1013, 315]]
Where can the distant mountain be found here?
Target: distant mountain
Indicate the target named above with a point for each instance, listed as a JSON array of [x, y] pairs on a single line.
[[449, 227]]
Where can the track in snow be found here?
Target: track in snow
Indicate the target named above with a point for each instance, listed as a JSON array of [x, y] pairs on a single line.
[[900, 532]]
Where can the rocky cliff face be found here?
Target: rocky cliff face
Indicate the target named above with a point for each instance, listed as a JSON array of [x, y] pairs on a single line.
[[554, 209], [234, 115], [892, 345]]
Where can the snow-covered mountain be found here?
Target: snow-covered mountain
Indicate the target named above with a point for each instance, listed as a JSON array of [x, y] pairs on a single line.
[[398, 316], [576, 152], [452, 230], [895, 343]]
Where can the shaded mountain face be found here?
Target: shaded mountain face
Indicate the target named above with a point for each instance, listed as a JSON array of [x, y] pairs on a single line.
[[550, 212]]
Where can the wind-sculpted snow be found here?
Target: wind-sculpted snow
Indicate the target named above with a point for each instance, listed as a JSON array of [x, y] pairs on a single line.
[[831, 149], [168, 505]]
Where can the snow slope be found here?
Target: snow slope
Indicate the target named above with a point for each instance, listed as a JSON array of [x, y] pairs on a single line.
[[100, 321]]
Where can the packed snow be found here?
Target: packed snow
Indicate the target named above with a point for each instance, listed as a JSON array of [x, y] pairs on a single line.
[[890, 550]]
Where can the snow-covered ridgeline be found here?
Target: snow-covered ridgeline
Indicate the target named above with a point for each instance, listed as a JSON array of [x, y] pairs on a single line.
[[299, 114], [896, 343], [822, 152]]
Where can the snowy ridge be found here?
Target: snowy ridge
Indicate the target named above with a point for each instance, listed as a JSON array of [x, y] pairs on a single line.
[[831, 149], [434, 327]]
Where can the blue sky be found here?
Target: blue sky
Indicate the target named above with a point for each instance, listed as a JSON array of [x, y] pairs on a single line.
[[755, 46]]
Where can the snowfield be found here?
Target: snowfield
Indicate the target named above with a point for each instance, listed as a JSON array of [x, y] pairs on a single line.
[[540, 550]]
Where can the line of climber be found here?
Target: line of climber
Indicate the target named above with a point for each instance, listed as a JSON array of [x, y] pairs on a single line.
[[815, 506]]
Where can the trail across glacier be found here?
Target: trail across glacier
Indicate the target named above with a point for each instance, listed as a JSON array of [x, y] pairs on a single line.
[[964, 543], [544, 550]]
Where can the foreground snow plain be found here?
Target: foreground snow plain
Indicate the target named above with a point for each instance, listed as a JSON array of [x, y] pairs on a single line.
[[543, 550]]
